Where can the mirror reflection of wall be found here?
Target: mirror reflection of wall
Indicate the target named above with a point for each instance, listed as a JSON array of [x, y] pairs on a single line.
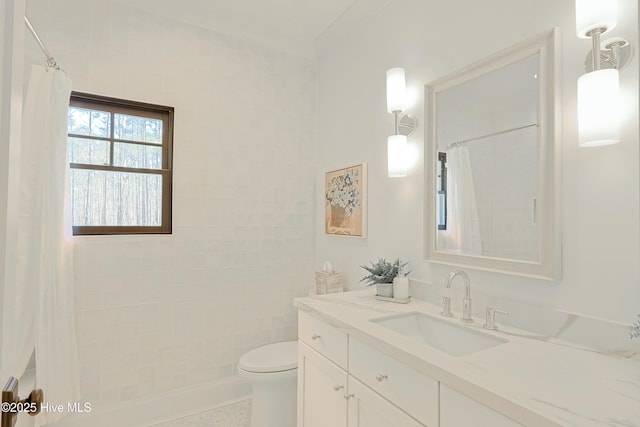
[[488, 163]]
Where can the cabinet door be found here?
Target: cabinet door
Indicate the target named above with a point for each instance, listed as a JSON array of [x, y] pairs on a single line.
[[322, 387], [369, 409]]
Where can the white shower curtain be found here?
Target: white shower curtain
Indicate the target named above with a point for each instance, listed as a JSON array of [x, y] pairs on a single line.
[[39, 309], [463, 225]]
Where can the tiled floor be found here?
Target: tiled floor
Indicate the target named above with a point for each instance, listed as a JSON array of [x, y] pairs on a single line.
[[234, 415]]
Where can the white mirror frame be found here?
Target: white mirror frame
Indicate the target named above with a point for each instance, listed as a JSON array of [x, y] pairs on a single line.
[[548, 266]]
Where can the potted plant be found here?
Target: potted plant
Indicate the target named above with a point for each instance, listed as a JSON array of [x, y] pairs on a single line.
[[382, 274]]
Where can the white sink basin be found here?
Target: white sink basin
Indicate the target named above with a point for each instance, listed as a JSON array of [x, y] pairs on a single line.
[[455, 340]]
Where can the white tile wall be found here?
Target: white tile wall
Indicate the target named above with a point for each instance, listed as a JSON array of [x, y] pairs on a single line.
[[156, 313], [505, 174]]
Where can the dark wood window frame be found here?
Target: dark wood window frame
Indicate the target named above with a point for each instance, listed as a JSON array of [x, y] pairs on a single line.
[[115, 105], [442, 164]]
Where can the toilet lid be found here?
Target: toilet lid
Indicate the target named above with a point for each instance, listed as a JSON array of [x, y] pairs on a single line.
[[281, 356]]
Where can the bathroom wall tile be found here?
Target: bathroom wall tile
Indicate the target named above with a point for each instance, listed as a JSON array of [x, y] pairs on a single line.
[[157, 313]]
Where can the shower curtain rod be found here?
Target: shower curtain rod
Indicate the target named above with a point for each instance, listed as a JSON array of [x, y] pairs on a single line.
[[464, 141], [49, 59]]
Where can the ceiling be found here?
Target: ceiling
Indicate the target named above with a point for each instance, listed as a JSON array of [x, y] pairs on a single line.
[[291, 25]]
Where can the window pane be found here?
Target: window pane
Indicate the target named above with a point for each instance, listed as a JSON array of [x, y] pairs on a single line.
[[88, 151], [135, 128], [137, 156], [89, 122], [102, 198]]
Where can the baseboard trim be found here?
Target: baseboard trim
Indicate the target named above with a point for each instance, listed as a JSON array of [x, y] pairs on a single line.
[[163, 407]]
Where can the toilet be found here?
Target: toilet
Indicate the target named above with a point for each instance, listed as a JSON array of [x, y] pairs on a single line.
[[272, 371]]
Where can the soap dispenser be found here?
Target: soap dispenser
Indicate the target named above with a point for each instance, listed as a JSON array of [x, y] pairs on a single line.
[[401, 285]]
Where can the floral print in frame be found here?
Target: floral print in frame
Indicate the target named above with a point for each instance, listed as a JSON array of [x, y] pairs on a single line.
[[346, 201]]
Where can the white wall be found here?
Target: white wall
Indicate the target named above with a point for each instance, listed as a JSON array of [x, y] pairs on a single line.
[[600, 187], [159, 313]]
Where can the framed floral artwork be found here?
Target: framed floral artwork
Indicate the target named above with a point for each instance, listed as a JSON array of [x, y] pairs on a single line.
[[345, 199]]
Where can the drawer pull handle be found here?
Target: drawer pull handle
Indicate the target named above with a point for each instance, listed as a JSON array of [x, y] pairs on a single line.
[[381, 377], [348, 396], [338, 387], [315, 337]]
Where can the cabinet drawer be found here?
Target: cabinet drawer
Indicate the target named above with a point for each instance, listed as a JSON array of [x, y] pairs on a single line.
[[459, 410], [414, 392], [324, 338]]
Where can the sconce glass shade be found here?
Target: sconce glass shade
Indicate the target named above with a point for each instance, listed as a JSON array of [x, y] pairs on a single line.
[[396, 89], [599, 108], [397, 155], [592, 14]]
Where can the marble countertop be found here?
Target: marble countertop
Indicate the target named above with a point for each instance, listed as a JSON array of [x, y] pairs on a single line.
[[529, 379]]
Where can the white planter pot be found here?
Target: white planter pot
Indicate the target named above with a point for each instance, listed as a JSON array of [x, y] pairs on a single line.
[[384, 290]]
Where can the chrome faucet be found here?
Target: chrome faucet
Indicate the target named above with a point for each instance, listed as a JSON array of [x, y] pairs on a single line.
[[466, 302]]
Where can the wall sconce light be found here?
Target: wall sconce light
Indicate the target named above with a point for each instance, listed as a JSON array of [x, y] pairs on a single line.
[[396, 103], [599, 88]]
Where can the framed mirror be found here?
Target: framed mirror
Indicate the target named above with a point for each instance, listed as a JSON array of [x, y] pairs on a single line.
[[492, 163]]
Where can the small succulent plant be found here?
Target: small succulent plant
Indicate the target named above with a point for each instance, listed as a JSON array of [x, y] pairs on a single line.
[[634, 330], [382, 271]]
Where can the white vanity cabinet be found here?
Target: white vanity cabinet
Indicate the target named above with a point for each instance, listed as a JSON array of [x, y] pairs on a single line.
[[330, 395], [345, 382]]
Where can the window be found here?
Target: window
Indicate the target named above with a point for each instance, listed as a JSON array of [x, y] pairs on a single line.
[[120, 154]]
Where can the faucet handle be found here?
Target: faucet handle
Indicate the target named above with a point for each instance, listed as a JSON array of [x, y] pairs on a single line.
[[490, 317], [446, 295], [446, 307]]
